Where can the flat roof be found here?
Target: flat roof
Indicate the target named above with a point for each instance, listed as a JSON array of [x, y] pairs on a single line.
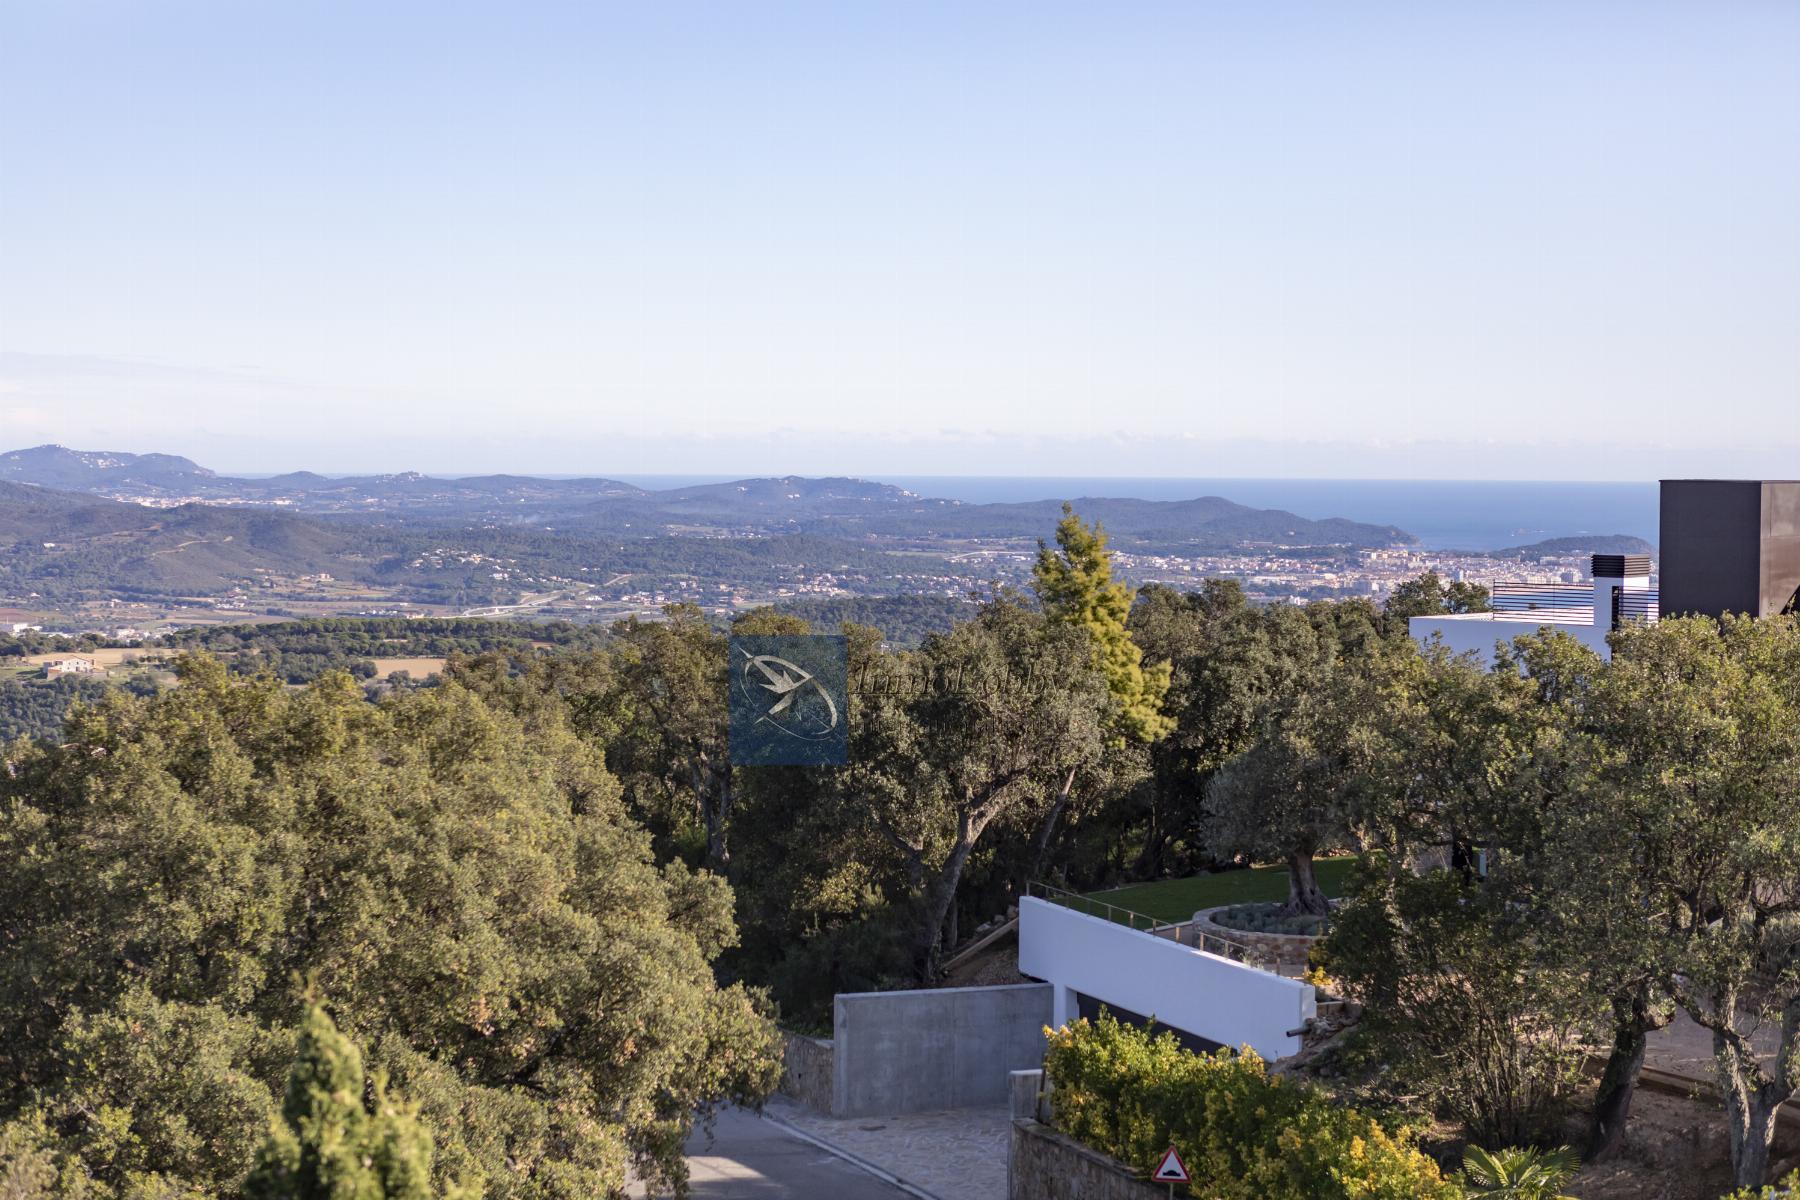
[[1532, 617]]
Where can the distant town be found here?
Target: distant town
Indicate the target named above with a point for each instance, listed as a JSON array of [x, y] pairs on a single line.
[[1266, 578]]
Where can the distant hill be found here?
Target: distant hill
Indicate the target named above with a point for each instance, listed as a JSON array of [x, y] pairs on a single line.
[[1207, 522], [160, 477], [95, 470], [858, 508], [785, 505], [1571, 547], [54, 542], [71, 547], [41, 514]]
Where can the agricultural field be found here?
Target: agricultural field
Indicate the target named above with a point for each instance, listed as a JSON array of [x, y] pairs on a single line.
[[107, 658], [418, 668]]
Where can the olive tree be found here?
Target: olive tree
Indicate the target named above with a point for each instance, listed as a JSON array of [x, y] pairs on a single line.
[[1703, 719], [1297, 789], [1007, 706]]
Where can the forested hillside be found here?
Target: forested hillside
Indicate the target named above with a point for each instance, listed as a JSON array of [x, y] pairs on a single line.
[[301, 651], [554, 836], [68, 548], [902, 620], [837, 507]]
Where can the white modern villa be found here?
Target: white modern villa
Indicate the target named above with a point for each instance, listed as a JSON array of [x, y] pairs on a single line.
[[1620, 592], [1728, 545]]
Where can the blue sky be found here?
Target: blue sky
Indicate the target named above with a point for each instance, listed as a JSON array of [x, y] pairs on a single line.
[[1351, 239]]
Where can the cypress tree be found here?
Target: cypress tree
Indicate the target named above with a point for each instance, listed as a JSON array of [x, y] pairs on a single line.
[[327, 1146], [1076, 584]]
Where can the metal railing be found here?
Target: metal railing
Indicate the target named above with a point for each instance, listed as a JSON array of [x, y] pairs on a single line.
[[1542, 601], [1183, 932], [1642, 606], [1224, 947]]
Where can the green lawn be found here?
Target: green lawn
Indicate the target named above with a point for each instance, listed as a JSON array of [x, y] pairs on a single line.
[[1179, 899]]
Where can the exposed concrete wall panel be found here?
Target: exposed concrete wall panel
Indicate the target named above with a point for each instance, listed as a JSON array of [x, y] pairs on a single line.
[[899, 1052]]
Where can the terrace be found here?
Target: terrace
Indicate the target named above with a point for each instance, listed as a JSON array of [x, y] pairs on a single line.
[[1209, 988], [1620, 594], [1569, 604]]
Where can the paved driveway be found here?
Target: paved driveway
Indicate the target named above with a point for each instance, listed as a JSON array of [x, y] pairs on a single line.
[[749, 1158], [954, 1154]]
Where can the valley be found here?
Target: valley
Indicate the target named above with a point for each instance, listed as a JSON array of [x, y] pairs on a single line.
[[102, 541]]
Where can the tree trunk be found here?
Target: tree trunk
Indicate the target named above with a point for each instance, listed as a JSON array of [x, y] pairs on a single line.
[[724, 817], [1040, 841], [712, 788], [1149, 859], [1750, 1125], [718, 853], [712, 798], [1304, 896], [943, 893], [1751, 1099], [1633, 1019]]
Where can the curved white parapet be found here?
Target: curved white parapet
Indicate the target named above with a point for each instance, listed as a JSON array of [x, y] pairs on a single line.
[[1191, 990]]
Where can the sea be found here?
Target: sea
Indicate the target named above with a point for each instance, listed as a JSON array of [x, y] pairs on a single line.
[[1444, 514]]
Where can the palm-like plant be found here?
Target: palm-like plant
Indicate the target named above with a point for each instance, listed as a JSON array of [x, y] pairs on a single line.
[[1518, 1172]]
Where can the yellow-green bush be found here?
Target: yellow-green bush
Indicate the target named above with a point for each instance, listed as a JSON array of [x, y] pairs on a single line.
[[1243, 1134], [1787, 1189]]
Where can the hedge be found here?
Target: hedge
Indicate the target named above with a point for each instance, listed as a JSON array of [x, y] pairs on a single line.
[[1243, 1134]]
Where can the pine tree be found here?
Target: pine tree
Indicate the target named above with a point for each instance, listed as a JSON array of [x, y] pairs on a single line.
[[327, 1145], [1075, 583]]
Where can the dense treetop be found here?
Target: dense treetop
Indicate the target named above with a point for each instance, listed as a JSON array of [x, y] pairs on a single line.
[[457, 877]]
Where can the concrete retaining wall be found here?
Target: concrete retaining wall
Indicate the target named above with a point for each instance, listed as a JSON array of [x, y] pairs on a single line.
[[806, 1071], [1045, 1165], [899, 1052]]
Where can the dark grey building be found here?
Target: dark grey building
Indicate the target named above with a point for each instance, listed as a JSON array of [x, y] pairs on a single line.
[[1730, 545]]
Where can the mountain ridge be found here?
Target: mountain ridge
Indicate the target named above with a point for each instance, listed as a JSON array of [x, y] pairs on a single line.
[[838, 506]]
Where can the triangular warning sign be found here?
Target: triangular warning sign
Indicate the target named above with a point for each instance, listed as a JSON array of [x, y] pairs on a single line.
[[1171, 1169]]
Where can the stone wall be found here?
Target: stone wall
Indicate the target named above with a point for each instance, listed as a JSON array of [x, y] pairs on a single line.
[[1045, 1165], [1283, 953], [806, 1071]]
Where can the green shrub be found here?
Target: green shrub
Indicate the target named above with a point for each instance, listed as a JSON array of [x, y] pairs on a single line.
[[1463, 1008], [1787, 1189], [1244, 1134], [1518, 1172]]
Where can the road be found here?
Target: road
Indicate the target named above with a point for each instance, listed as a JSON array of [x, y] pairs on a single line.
[[749, 1158]]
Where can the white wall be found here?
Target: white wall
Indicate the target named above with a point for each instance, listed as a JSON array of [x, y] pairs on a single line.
[[1478, 632], [1481, 632], [1188, 989]]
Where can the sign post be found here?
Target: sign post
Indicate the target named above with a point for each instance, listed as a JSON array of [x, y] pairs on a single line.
[[1171, 1170]]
